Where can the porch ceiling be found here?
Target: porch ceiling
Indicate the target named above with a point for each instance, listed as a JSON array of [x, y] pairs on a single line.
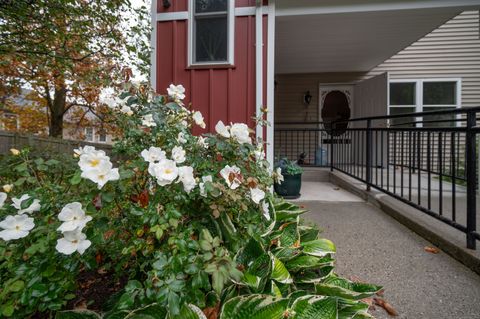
[[350, 41]]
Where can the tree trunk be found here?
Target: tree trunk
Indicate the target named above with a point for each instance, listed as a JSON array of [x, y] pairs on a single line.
[[57, 112]]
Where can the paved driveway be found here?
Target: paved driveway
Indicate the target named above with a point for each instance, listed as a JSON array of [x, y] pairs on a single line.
[[375, 248]]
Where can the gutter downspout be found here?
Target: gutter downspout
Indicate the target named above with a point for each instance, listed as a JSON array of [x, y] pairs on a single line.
[[258, 65]]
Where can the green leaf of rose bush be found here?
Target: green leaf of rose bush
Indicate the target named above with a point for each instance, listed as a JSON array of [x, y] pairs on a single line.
[[167, 225]]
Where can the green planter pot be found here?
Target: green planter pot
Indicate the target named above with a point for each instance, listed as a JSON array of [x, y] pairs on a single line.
[[290, 187]]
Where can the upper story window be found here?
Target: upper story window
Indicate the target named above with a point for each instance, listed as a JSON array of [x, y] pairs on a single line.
[[211, 32], [102, 137], [89, 134], [423, 95]]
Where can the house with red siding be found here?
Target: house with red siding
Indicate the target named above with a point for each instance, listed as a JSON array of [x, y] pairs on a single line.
[[236, 56]]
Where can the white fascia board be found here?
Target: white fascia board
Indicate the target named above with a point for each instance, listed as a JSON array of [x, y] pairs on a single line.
[[308, 9]]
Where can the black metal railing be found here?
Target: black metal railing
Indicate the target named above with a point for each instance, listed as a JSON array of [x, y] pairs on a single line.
[[428, 160]]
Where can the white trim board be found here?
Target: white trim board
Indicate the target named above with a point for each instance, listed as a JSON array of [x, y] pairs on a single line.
[[258, 67], [308, 7], [184, 15], [153, 46], [271, 82]]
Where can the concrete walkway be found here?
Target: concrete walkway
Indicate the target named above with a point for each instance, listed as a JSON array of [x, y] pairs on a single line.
[[375, 248]]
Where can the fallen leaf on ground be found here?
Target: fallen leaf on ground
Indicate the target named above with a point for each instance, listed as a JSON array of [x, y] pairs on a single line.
[[212, 312], [432, 250], [82, 304], [385, 305], [381, 292]]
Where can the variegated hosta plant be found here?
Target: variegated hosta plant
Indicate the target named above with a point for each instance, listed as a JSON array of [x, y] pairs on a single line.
[[175, 225]]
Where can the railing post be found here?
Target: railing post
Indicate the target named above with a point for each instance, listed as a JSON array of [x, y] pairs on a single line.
[[332, 145], [368, 161], [471, 173]]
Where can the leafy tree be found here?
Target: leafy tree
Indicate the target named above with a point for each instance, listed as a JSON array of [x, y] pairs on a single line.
[[69, 50]]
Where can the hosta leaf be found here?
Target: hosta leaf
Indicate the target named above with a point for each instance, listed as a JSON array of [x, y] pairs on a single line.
[[251, 281], [314, 276], [289, 236], [77, 314], [228, 229], [250, 253], [348, 309], [285, 211], [315, 307], [276, 290], [189, 312], [308, 233], [340, 287], [319, 247], [279, 271], [261, 267], [254, 307], [286, 253], [306, 261]]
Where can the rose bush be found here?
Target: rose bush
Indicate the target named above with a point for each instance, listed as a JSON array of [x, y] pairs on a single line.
[[172, 226]]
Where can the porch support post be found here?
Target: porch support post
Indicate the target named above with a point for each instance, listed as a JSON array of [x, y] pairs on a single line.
[[271, 82], [258, 65]]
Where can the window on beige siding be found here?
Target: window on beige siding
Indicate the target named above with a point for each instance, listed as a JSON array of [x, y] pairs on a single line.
[[424, 95]]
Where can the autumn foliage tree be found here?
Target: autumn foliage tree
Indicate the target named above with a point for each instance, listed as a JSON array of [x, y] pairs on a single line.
[[68, 51]]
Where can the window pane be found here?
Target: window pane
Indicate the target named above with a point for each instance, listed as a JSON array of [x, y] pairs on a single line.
[[202, 6], [435, 93], [402, 93], [211, 40], [447, 119], [89, 134], [402, 121]]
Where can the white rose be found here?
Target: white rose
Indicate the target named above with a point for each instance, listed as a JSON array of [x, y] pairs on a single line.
[[153, 154], [257, 195], [17, 203], [3, 198], [176, 92], [198, 118], [15, 227], [181, 138], [277, 176], [73, 241], [185, 175], [202, 141], [73, 217], [232, 176], [223, 130], [126, 110], [178, 154], [147, 120], [165, 171], [239, 131], [83, 150]]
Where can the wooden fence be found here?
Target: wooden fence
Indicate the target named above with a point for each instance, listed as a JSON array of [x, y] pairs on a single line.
[[10, 140]]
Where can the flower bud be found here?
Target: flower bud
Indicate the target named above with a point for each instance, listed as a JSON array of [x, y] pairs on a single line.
[[7, 187]]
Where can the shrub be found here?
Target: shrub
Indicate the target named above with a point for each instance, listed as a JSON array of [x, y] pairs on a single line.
[[176, 224]]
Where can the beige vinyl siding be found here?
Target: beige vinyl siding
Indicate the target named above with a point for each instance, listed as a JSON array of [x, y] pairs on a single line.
[[290, 88], [450, 51]]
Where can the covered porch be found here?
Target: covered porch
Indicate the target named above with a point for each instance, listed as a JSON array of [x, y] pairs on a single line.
[[331, 110]]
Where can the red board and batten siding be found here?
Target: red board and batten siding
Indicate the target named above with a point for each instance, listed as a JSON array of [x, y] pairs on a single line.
[[226, 94]]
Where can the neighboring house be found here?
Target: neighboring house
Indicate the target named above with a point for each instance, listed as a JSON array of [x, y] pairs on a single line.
[[21, 113], [233, 57]]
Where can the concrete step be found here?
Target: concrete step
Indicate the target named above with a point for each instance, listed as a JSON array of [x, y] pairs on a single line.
[[316, 174]]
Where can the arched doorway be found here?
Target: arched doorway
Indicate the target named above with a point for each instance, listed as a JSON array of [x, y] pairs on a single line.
[[336, 106]]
